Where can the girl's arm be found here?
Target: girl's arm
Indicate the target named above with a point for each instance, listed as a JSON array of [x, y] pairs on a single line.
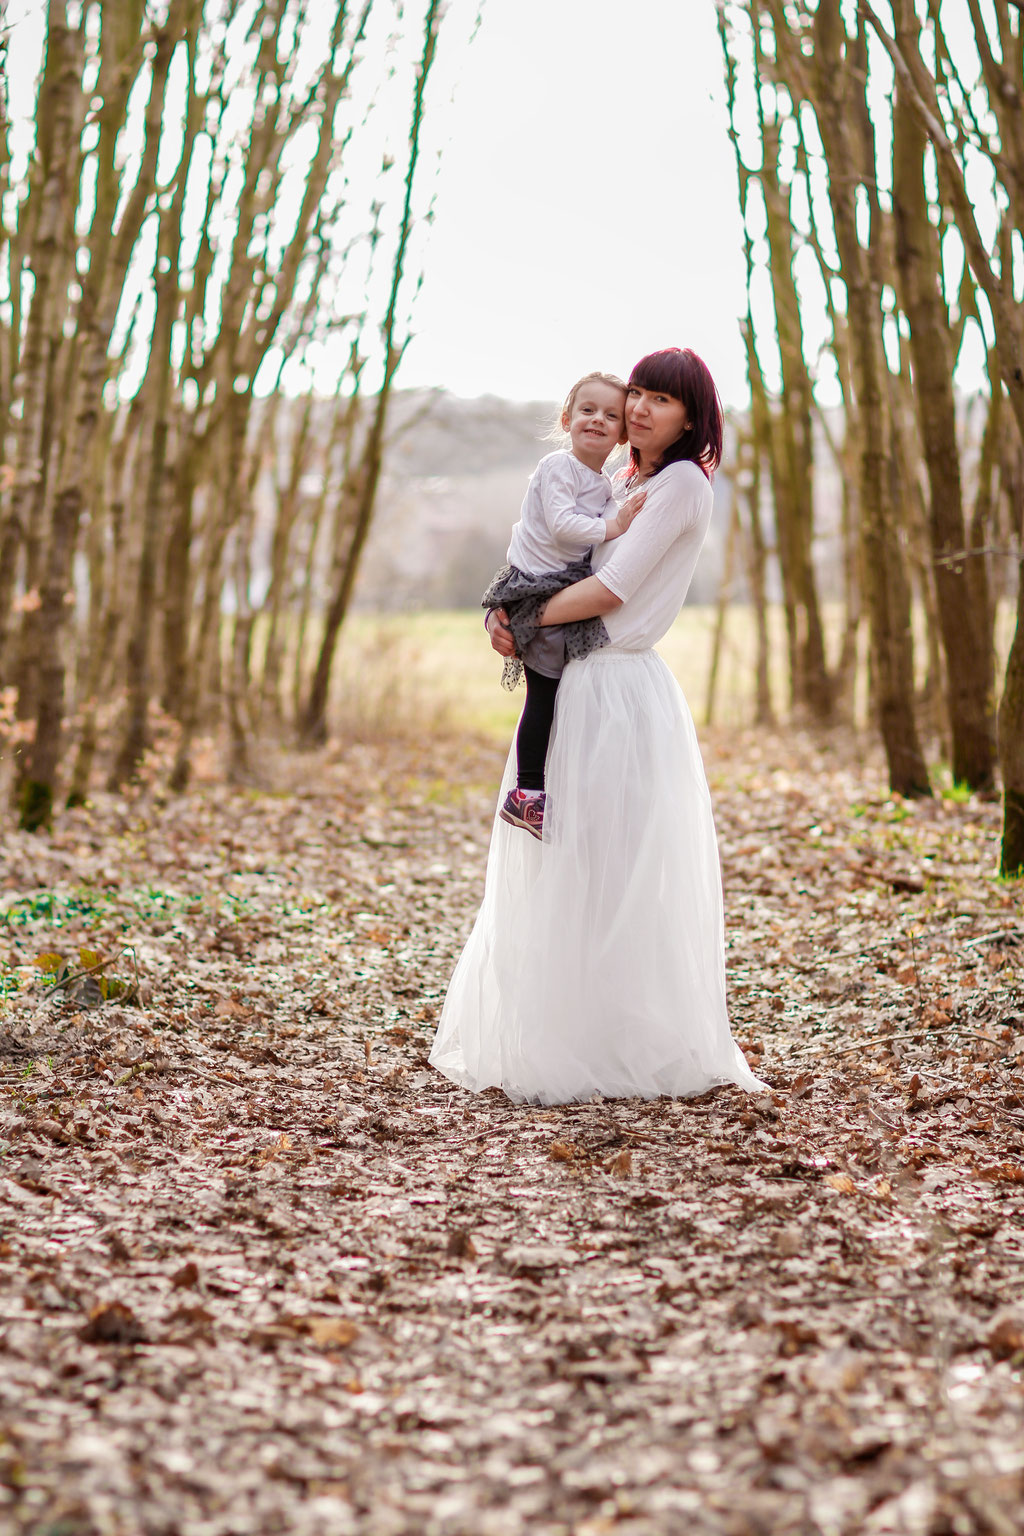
[[558, 492]]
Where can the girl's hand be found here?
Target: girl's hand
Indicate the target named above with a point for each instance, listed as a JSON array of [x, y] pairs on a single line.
[[496, 624], [624, 516]]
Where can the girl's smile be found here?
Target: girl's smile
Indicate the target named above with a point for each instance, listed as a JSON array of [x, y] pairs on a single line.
[[596, 424]]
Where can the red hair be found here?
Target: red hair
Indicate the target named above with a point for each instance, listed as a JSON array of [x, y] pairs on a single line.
[[678, 372]]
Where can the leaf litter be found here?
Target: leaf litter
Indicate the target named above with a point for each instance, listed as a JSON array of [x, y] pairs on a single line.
[[264, 1271]]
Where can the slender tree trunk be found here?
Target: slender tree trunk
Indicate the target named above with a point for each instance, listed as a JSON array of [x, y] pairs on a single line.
[[794, 456], [177, 579], [45, 667], [289, 505], [364, 490], [50, 212], [239, 728], [756, 559], [887, 592], [964, 629], [1011, 747], [722, 606], [105, 566], [159, 380]]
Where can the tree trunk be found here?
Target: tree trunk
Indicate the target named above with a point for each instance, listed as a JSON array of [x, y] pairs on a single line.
[[363, 491], [42, 671], [165, 282], [794, 455], [724, 599], [756, 560], [886, 588], [965, 635], [1011, 748], [288, 507]]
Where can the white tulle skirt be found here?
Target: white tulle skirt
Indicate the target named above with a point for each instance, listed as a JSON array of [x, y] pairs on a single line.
[[596, 964]]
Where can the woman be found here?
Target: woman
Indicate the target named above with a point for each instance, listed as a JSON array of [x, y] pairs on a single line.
[[596, 965]]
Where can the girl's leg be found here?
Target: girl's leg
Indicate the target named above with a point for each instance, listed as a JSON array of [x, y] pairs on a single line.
[[535, 729]]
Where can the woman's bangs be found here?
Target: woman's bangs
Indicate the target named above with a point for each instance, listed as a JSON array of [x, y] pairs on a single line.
[[658, 372]]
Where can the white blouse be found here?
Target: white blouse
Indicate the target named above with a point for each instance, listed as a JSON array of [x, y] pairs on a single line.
[[650, 567], [562, 514]]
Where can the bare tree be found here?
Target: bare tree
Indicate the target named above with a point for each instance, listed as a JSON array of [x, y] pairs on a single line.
[[184, 231]]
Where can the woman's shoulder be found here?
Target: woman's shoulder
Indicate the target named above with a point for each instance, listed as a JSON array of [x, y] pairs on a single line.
[[684, 472], [682, 493]]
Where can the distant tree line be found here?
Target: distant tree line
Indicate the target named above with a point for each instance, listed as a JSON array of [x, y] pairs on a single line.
[[217, 199], [880, 154]]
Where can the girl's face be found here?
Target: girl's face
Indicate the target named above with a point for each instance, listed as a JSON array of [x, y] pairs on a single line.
[[654, 421], [596, 422]]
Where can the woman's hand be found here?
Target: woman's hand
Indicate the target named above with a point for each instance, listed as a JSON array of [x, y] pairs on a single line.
[[624, 516], [502, 640]]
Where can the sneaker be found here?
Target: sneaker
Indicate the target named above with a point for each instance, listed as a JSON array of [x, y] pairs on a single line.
[[525, 811]]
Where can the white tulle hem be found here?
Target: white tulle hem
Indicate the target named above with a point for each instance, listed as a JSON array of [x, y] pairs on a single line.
[[596, 963]]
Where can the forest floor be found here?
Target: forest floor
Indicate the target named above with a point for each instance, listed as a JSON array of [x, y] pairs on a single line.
[[263, 1271]]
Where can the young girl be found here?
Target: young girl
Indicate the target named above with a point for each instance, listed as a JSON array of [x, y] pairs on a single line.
[[569, 507]]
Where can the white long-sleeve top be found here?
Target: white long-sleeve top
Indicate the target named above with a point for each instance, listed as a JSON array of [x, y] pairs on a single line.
[[563, 514], [651, 566]]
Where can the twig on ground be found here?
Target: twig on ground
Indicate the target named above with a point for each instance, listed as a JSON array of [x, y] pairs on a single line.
[[491, 1130], [913, 1034], [991, 938]]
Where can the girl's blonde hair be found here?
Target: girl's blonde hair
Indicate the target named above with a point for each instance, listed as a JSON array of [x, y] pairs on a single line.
[[557, 432]]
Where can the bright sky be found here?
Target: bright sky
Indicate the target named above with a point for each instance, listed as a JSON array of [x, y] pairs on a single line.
[[585, 206], [586, 202]]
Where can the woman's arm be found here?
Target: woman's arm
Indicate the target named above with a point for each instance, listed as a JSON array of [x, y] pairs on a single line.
[[586, 599], [583, 600]]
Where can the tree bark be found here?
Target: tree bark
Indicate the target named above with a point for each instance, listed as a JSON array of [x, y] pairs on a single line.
[[1011, 747], [159, 380], [45, 667], [966, 637], [886, 588]]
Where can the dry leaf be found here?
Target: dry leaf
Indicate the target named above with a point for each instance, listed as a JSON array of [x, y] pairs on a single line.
[[842, 1182], [111, 1322]]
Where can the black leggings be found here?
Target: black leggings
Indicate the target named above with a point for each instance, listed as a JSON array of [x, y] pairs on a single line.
[[535, 729]]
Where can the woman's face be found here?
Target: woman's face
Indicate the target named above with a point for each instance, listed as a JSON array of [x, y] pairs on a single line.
[[654, 421]]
